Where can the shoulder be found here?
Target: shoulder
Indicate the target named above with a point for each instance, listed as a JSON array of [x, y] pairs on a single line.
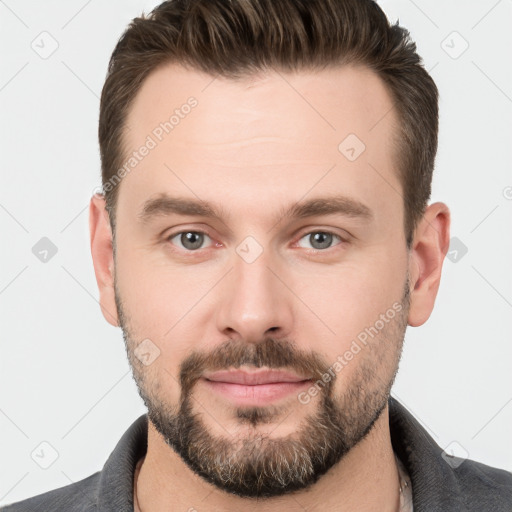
[[484, 485], [108, 490], [79, 496], [442, 482]]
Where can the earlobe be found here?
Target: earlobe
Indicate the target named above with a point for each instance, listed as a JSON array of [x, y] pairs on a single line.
[[429, 248], [102, 256]]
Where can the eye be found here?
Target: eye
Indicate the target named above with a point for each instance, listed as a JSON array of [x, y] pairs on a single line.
[[194, 240], [189, 240], [320, 240]]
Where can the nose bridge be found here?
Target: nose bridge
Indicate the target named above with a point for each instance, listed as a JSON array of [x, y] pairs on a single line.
[[254, 302]]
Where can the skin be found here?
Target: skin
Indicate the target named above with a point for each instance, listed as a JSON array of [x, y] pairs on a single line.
[[255, 146]]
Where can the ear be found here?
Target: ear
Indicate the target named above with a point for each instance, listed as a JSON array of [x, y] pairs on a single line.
[[428, 250], [103, 257]]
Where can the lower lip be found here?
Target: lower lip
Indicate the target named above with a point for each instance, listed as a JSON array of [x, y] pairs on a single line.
[[259, 394]]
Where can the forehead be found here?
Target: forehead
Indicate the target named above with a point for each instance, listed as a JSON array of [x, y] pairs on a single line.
[[335, 99], [274, 132]]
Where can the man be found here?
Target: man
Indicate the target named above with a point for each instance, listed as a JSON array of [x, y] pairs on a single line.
[[263, 240]]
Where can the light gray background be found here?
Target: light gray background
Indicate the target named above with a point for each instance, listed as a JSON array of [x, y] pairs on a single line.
[[64, 376]]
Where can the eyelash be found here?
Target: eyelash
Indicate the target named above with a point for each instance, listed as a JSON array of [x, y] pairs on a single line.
[[325, 232]]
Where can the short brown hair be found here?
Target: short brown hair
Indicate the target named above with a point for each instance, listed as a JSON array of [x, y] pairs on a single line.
[[237, 38]]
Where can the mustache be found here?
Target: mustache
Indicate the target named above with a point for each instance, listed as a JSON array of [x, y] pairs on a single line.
[[270, 353]]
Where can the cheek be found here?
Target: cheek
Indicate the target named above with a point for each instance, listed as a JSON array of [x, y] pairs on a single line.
[[161, 301], [154, 294], [349, 299], [156, 302]]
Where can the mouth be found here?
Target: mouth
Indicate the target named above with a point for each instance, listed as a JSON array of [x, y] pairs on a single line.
[[257, 387]]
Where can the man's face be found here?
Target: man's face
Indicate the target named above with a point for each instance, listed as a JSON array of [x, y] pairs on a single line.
[[278, 336]]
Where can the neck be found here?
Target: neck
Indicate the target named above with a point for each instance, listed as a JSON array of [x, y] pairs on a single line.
[[365, 480]]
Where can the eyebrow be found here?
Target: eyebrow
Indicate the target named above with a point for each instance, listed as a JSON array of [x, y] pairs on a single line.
[[165, 205]]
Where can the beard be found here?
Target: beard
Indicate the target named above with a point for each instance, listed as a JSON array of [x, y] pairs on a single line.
[[253, 464]]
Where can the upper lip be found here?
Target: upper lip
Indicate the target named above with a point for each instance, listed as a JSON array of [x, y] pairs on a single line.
[[254, 378]]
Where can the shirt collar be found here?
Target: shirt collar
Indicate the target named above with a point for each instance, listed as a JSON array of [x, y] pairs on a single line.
[[116, 480]]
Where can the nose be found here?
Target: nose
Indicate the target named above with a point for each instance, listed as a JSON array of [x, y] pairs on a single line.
[[254, 304]]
